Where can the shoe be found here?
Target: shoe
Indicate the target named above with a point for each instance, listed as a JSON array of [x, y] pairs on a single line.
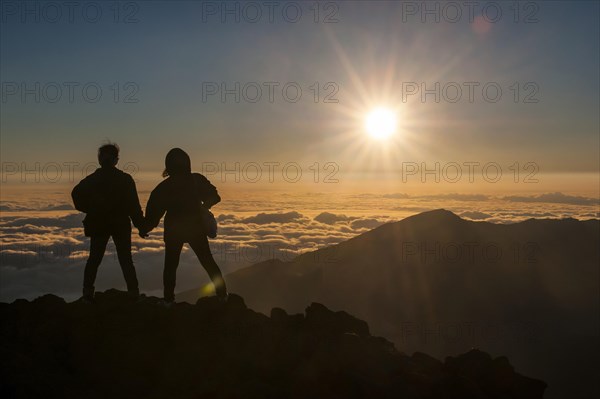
[[87, 300], [140, 298], [164, 303], [88, 293], [223, 298], [135, 296]]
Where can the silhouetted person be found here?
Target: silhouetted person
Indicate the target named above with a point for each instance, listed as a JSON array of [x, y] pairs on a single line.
[[109, 198], [181, 196]]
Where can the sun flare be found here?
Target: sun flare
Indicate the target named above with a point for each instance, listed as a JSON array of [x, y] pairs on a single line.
[[381, 123]]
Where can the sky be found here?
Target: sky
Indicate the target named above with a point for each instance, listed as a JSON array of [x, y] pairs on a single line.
[[496, 110], [160, 61]]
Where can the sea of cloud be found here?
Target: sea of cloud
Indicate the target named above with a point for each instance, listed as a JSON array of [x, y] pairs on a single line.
[[43, 249]]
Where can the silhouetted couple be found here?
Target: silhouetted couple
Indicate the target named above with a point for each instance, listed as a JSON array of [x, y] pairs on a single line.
[[110, 200]]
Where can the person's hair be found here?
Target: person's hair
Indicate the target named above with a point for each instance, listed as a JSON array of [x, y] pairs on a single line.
[[108, 154], [177, 162]]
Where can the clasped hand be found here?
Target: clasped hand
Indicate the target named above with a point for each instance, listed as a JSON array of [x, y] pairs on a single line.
[[143, 230]]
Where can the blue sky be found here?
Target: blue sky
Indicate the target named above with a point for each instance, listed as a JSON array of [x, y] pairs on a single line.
[[170, 52]]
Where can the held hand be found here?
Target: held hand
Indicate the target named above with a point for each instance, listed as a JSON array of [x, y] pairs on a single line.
[[143, 231]]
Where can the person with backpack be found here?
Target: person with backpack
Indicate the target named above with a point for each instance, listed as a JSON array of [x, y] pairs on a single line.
[[185, 198], [110, 201]]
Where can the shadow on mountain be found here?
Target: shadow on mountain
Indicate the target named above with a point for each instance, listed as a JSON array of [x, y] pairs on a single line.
[[438, 284], [117, 348]]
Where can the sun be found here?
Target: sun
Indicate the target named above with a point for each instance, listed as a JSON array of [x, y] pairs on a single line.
[[381, 123]]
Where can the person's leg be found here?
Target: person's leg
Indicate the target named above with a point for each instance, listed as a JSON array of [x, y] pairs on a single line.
[[172, 254], [202, 250], [122, 240], [97, 248]]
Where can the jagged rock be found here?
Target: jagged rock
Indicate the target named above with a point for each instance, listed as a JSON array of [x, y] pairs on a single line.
[[319, 317], [279, 315], [494, 375], [49, 300], [122, 348], [426, 365]]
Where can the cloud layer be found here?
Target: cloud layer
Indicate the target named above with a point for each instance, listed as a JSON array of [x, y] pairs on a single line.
[[43, 249]]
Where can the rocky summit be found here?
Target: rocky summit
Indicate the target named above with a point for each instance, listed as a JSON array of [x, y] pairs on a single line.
[[119, 347]]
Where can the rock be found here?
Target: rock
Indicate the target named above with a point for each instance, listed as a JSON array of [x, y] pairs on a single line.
[[322, 319], [119, 348], [236, 302], [494, 375], [279, 316], [427, 365], [49, 300]]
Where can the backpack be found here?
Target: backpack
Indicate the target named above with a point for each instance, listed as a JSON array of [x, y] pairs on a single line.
[[209, 222]]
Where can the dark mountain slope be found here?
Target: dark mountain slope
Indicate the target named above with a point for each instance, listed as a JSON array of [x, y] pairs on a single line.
[[437, 283]]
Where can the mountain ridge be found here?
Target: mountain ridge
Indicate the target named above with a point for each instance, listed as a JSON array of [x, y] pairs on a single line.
[[535, 282]]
